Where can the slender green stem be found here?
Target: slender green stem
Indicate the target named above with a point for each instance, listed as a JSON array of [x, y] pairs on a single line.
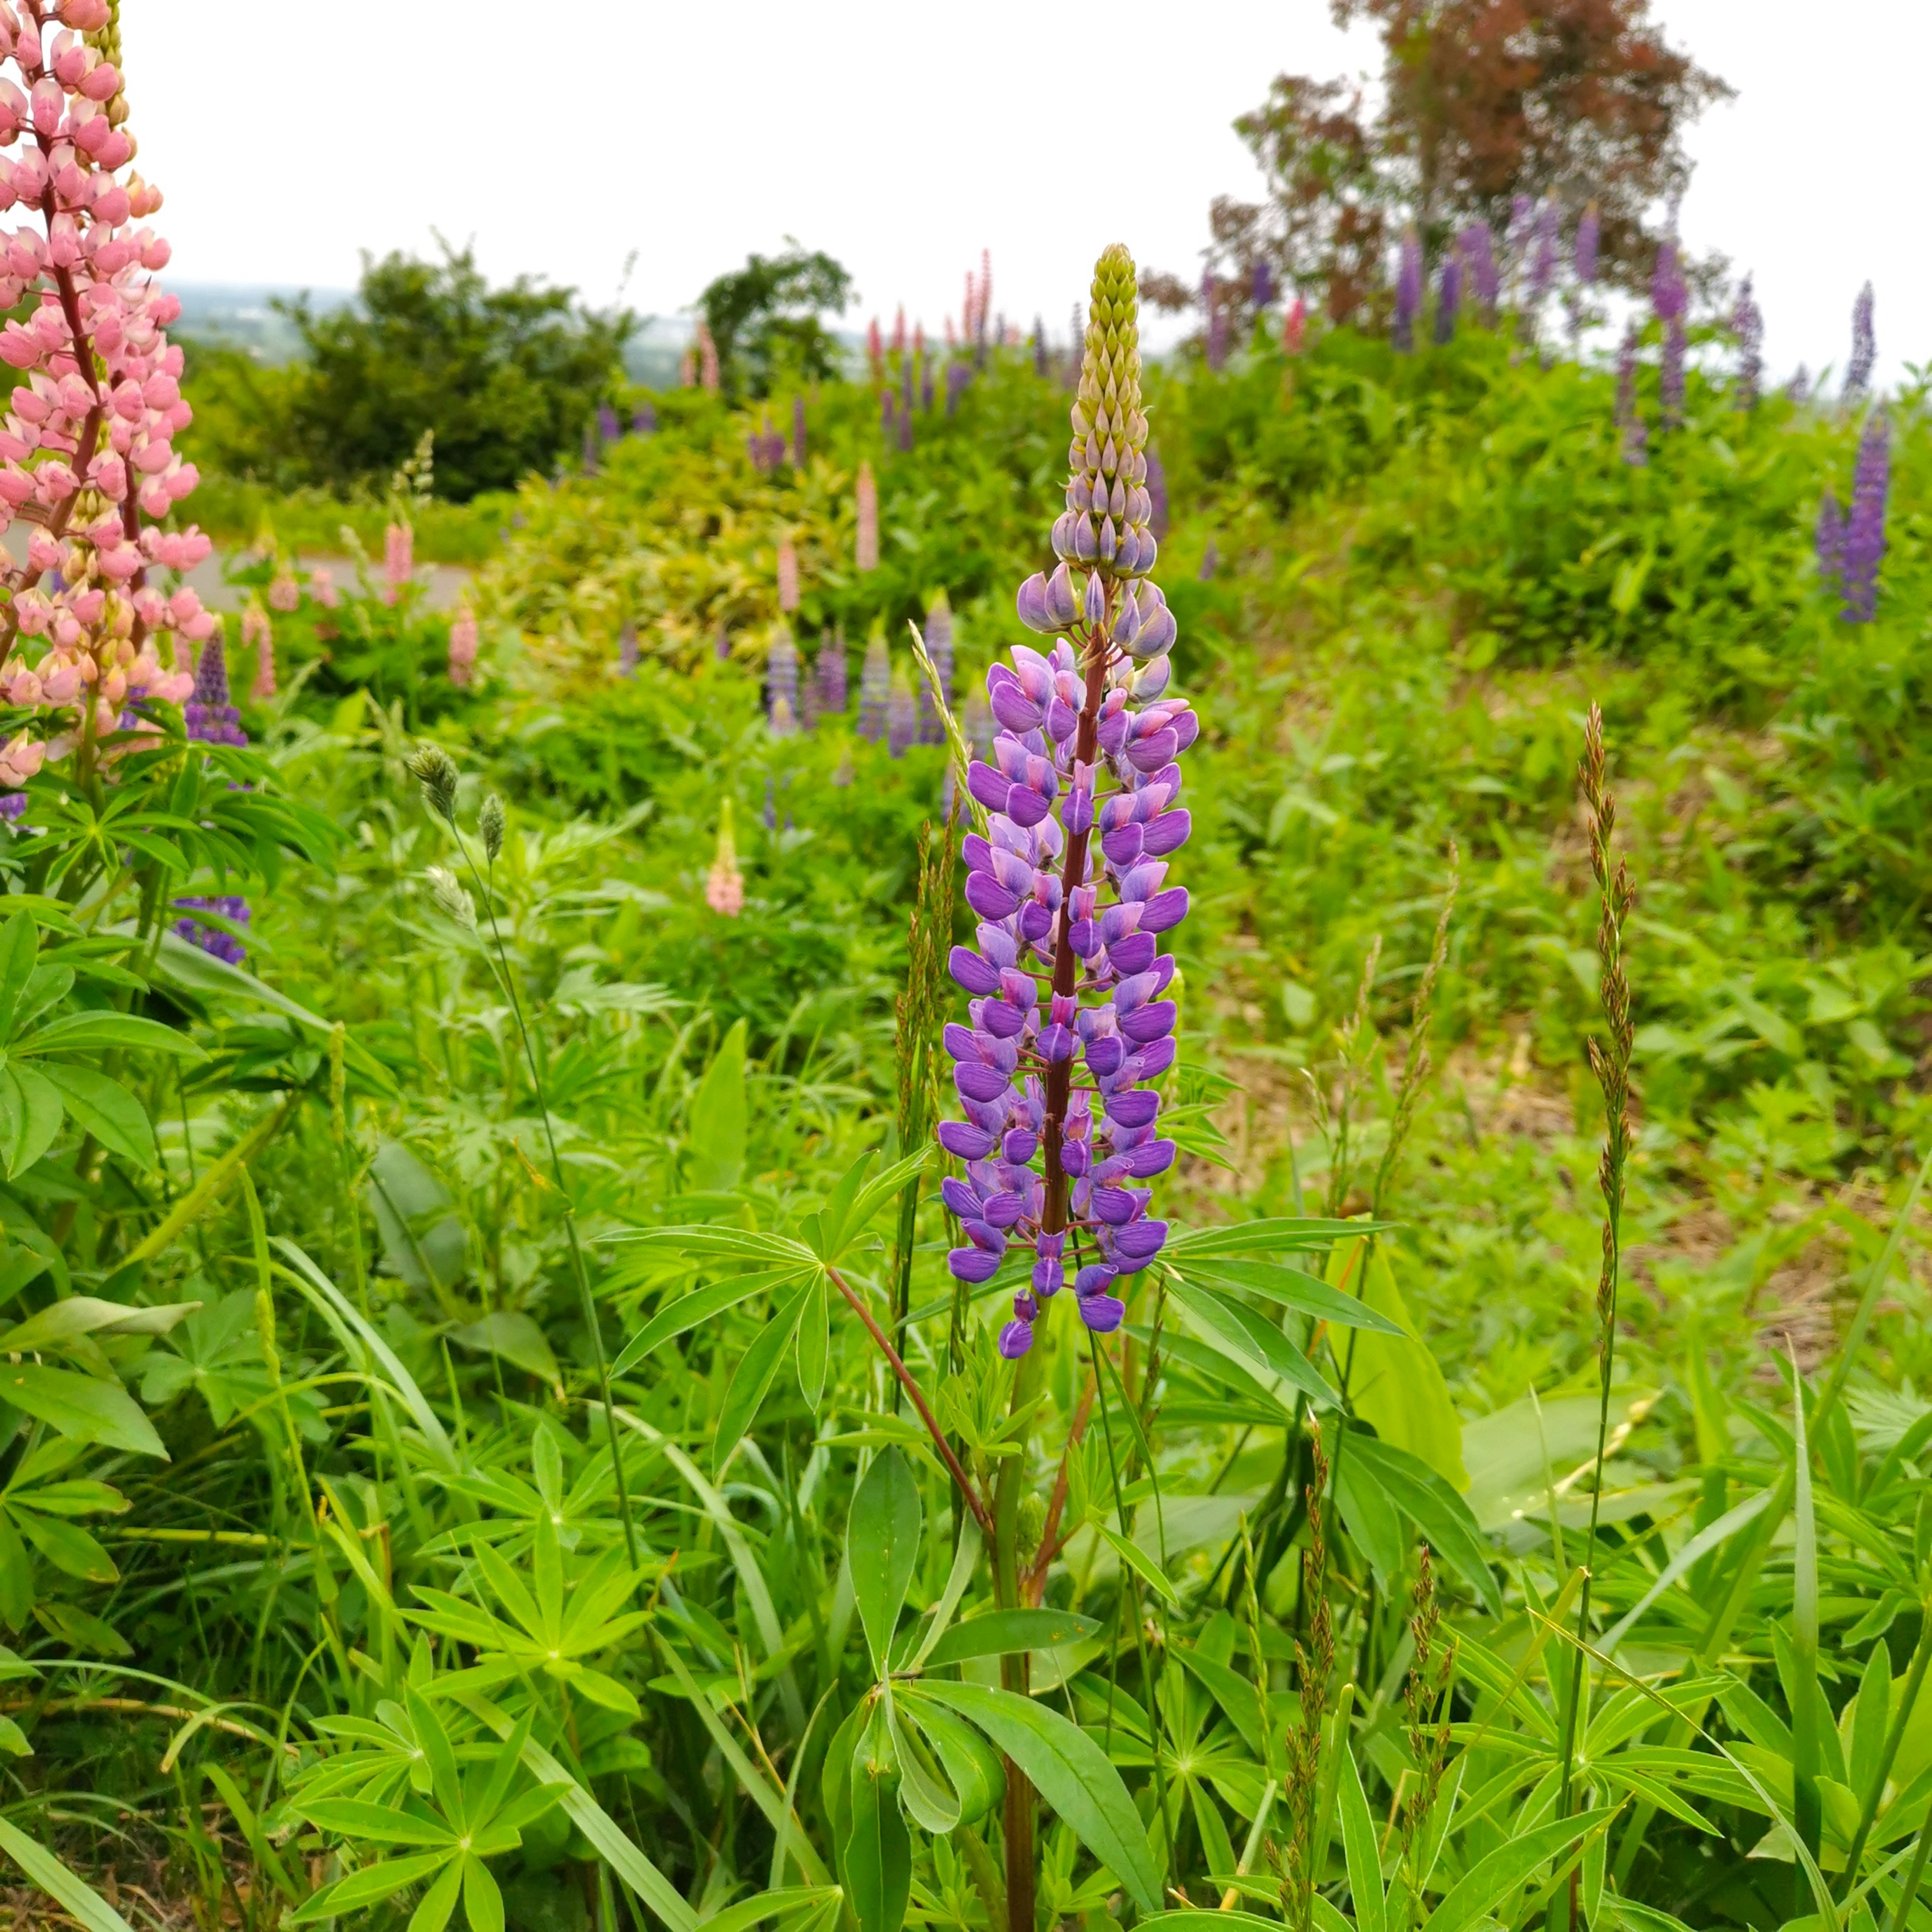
[[1914, 1876]]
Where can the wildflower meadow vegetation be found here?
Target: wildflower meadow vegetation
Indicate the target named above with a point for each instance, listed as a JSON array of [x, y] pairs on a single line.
[[1037, 1136]]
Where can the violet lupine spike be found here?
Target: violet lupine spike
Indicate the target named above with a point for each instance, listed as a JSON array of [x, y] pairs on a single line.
[[1747, 325], [1827, 537], [1069, 885], [875, 689], [208, 716], [831, 675], [901, 717], [1516, 235], [212, 939], [1635, 437], [958, 376], [1261, 289], [1668, 296], [1449, 297], [1408, 291], [782, 683], [609, 429], [1864, 345], [1583, 256], [1543, 253], [1864, 523], [1670, 376], [1477, 247], [925, 386], [939, 648], [1039, 346]]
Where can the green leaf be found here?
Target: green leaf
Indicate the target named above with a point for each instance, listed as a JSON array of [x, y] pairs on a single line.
[[1360, 1847], [1253, 1338], [482, 1902], [515, 1336], [715, 1123], [974, 1768], [90, 1032], [750, 1912], [752, 1377], [74, 1896], [80, 1406], [67, 1547], [31, 1114], [1142, 1563], [1292, 1287], [80, 1314], [19, 948], [1072, 1772], [106, 1109], [380, 1824], [929, 1799], [424, 1243], [815, 1344], [1295, 1235], [432, 1915], [369, 1886], [1436, 1511], [1492, 1878], [877, 1863], [1002, 1632], [688, 1311], [882, 1546]]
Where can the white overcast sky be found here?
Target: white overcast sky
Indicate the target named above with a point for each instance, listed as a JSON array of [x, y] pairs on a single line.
[[902, 139]]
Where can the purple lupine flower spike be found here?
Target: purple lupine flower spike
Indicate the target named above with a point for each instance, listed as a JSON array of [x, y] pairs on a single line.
[[901, 717], [958, 375], [1408, 291], [939, 648], [1828, 538], [212, 939], [875, 688], [1636, 436], [1516, 235], [1543, 253], [1262, 293], [1864, 525], [1449, 296], [1069, 884], [1747, 325], [831, 670], [1583, 257], [781, 683], [1864, 345], [1039, 346], [608, 427], [1670, 297], [1477, 247], [208, 716]]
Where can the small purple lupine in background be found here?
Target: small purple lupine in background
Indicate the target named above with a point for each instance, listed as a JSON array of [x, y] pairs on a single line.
[[1036, 882], [608, 427], [781, 683], [889, 412], [1799, 388], [1516, 235], [1669, 297], [723, 646], [627, 649], [977, 726], [939, 648], [866, 506], [1210, 559], [1157, 490], [1864, 525], [1828, 538], [1261, 291], [902, 717], [208, 716], [1636, 437], [1039, 346], [12, 804], [1543, 251], [830, 667], [590, 451], [1583, 253], [1477, 246], [905, 429], [1214, 313], [875, 687], [958, 375], [925, 386], [1448, 296], [212, 939], [798, 431], [1408, 291], [771, 812], [1864, 345], [1747, 325], [645, 422]]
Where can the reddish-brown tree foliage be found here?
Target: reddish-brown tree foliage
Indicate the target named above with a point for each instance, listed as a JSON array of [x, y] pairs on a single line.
[[1483, 101]]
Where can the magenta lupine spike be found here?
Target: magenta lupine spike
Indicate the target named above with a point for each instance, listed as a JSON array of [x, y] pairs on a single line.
[[1864, 345], [1865, 524], [1583, 256], [1448, 297], [875, 689], [1070, 884], [1408, 291], [1747, 325], [1477, 246], [939, 648], [1828, 538], [831, 678]]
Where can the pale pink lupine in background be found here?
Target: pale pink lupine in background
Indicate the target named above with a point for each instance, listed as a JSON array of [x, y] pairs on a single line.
[[865, 554], [1294, 327], [284, 592], [258, 634], [788, 575], [725, 884], [322, 586], [97, 407], [399, 560], [707, 357], [463, 647], [687, 370]]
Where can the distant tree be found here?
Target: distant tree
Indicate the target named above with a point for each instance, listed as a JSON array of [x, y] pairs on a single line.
[[764, 318], [1483, 101], [507, 378]]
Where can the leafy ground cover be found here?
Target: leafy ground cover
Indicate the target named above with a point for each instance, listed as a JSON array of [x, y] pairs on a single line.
[[455, 1465]]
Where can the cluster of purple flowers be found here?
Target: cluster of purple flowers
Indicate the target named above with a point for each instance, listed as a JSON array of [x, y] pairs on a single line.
[[208, 717], [1851, 544], [1864, 345], [1408, 290], [1747, 325], [1670, 299], [766, 449], [1082, 789], [211, 938], [781, 684]]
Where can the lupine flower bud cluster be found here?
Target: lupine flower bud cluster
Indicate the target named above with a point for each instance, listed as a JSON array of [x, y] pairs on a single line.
[[1583, 258], [399, 561], [86, 445], [725, 884], [1070, 883], [901, 717], [830, 668], [1543, 251], [1262, 293]]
